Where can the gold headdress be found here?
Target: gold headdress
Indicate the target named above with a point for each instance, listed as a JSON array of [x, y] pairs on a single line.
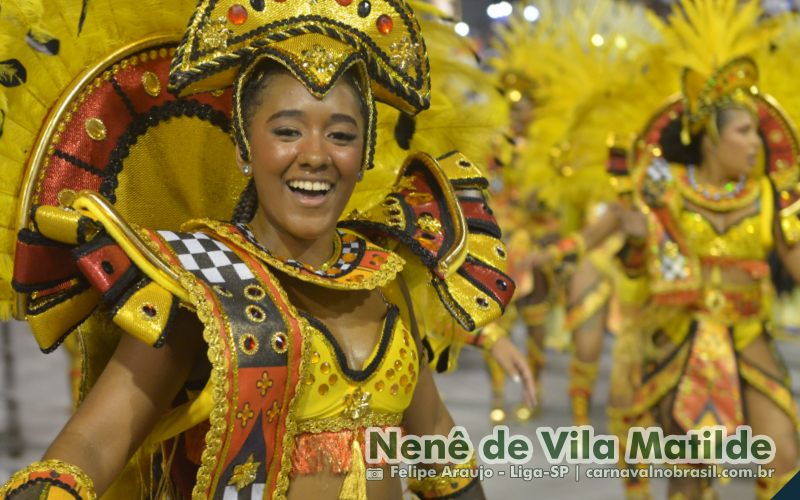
[[710, 40], [732, 85], [316, 41]]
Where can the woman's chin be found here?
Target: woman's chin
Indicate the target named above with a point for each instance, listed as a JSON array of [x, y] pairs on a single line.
[[310, 230]]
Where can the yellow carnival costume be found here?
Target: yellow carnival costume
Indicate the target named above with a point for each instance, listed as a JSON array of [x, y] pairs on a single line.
[[280, 399], [696, 322], [575, 59]]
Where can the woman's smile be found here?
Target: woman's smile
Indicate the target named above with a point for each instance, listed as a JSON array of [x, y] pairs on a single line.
[[311, 193]]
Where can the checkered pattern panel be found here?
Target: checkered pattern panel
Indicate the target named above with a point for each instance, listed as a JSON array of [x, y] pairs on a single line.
[[209, 258], [673, 268], [353, 247], [658, 170], [339, 267]]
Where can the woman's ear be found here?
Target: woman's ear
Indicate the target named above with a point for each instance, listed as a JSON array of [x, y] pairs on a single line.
[[244, 167], [239, 159]]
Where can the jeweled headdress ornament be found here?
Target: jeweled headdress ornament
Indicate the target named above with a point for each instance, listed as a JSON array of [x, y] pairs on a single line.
[[712, 41], [317, 40], [732, 85]]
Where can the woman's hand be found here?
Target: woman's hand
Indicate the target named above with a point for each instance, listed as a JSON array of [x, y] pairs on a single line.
[[633, 223], [630, 220], [515, 364]]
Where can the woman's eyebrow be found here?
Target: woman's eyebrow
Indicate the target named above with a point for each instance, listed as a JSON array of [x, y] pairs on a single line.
[[285, 113], [340, 117]]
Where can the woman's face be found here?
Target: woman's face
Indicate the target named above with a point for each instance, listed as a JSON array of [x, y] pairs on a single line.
[[306, 155], [739, 143]]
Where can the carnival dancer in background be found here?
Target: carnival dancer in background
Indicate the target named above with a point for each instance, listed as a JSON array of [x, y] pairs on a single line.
[[568, 62], [715, 234]]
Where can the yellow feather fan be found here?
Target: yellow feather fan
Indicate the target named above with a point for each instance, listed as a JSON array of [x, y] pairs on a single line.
[[703, 35], [44, 46], [579, 55]]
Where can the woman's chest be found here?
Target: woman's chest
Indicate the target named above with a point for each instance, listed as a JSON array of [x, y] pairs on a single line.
[[736, 234], [381, 384]]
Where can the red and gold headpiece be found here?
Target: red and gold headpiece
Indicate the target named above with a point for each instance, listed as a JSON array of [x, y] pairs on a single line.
[[733, 85], [317, 40]]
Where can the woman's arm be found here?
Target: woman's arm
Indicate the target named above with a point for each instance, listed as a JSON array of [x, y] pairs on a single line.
[[427, 415], [134, 390], [790, 256]]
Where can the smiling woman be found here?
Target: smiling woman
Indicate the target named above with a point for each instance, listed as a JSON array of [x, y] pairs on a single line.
[[257, 351], [306, 157]]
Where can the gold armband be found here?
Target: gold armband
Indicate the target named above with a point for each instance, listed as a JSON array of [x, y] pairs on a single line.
[[49, 480], [790, 227], [567, 249], [459, 478], [489, 336]]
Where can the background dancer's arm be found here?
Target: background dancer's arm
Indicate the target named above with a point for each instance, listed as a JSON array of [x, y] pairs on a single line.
[[631, 221]]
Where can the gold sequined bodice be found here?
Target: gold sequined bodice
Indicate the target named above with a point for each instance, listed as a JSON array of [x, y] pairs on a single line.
[[744, 240], [337, 397]]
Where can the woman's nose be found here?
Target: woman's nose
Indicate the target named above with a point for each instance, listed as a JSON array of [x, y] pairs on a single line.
[[313, 154]]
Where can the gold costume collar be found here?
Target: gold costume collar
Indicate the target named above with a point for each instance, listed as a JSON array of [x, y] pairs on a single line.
[[357, 264]]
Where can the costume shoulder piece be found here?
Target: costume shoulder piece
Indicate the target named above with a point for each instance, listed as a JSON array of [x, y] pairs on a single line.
[[93, 257], [98, 265], [440, 219]]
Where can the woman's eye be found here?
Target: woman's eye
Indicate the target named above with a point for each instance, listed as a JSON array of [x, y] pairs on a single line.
[[285, 132], [343, 136]]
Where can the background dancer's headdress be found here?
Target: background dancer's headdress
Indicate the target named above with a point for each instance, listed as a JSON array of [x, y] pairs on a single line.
[[710, 40], [576, 59], [717, 44]]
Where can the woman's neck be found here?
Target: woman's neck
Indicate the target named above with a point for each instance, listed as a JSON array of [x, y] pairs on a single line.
[[711, 173], [283, 245]]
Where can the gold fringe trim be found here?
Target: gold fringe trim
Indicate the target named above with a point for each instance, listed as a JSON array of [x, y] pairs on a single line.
[[354, 486], [84, 484]]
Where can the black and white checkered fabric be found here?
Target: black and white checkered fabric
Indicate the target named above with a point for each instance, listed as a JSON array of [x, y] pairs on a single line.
[[659, 171], [339, 267], [673, 268], [211, 259], [354, 247]]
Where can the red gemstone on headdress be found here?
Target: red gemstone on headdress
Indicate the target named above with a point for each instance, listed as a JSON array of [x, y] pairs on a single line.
[[344, 3], [237, 14], [385, 24]]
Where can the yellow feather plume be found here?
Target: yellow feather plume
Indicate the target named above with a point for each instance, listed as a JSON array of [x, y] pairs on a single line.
[[42, 74], [703, 35], [578, 56]]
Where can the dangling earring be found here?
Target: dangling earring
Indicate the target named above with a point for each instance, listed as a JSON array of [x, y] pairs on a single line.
[[360, 175], [247, 170]]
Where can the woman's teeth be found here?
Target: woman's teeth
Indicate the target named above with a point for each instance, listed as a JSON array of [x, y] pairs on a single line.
[[313, 187]]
